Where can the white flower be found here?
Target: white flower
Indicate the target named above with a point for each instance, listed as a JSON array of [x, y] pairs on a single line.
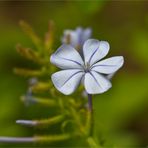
[[77, 37], [90, 71]]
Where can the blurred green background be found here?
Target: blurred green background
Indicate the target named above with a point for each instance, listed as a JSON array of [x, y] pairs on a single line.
[[121, 114]]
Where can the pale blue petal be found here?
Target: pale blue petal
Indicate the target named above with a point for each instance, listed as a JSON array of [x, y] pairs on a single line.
[[70, 37], [94, 50], [67, 57], [74, 40], [66, 81], [86, 34], [108, 66], [77, 36], [95, 83]]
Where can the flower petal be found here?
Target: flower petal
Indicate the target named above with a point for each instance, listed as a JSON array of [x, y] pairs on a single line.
[[109, 65], [66, 81], [70, 37], [95, 83], [94, 50], [67, 57], [76, 37], [86, 34]]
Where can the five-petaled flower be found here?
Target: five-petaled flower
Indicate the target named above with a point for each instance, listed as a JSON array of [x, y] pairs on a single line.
[[89, 70]]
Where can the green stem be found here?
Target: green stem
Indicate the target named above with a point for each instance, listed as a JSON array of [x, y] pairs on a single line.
[[52, 138], [92, 143], [90, 113]]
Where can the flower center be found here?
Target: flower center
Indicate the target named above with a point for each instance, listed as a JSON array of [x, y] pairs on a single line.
[[87, 67]]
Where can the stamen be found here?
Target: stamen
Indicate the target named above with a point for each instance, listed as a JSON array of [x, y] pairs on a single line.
[[68, 39], [87, 67]]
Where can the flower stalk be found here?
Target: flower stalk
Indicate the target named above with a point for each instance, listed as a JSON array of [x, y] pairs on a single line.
[[90, 114], [90, 103]]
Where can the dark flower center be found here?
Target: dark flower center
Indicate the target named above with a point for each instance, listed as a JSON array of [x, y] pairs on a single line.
[[87, 67]]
